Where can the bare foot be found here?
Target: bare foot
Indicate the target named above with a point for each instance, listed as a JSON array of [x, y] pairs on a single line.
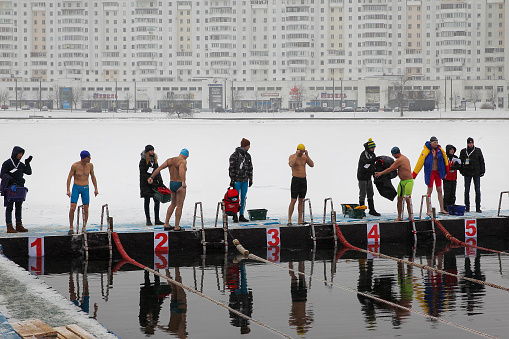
[[399, 219], [83, 230]]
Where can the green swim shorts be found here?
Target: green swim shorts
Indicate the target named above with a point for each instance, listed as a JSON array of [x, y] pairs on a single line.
[[405, 187]]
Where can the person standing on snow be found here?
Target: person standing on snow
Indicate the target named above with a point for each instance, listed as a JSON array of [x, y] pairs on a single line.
[[299, 186], [12, 174], [241, 173], [472, 167], [365, 170], [434, 160], [177, 166], [80, 170], [148, 164], [406, 183], [451, 177]]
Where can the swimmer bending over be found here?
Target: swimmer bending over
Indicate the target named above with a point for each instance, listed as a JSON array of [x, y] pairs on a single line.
[[406, 184], [178, 168]]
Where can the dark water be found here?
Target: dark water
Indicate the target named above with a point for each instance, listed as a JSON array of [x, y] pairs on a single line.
[[136, 304]]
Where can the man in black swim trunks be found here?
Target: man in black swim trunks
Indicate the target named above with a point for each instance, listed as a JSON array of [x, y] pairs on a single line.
[[298, 190]]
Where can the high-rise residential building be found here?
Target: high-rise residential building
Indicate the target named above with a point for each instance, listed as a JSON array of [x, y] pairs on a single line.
[[164, 44]]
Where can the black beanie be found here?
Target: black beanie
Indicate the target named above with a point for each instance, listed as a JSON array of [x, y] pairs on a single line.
[[470, 140], [149, 148]]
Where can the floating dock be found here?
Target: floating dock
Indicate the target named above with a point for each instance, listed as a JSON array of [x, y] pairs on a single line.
[[260, 236]]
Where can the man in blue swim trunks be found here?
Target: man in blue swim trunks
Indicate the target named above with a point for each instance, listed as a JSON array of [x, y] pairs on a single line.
[[80, 170], [178, 168]]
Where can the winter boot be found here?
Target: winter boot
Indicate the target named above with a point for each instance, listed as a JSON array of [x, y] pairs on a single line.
[[235, 218], [372, 210], [242, 219], [149, 223], [11, 229], [20, 228], [158, 222]]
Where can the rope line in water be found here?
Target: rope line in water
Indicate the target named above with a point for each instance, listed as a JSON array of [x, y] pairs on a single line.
[[462, 243], [426, 267], [246, 253], [127, 258]]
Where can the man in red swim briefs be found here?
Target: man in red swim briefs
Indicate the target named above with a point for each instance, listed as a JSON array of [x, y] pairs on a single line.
[[434, 160]]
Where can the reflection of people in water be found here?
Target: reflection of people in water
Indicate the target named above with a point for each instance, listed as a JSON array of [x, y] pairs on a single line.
[[151, 300], [241, 297], [382, 288], [178, 308], [472, 291], [84, 303], [298, 316]]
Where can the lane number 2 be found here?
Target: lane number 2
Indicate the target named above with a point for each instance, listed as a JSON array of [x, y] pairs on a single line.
[[160, 241]]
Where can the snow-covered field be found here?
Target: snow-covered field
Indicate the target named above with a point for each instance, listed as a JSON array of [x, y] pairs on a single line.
[[115, 143]]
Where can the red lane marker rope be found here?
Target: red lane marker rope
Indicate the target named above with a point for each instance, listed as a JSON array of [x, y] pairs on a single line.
[[462, 243], [426, 267], [128, 259]]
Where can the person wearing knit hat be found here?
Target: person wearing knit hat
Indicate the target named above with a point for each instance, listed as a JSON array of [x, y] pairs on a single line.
[[148, 164], [473, 168], [299, 186], [177, 167], [434, 160], [80, 171], [365, 170], [241, 175]]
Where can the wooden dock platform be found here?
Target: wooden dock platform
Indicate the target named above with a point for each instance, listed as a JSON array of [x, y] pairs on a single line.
[[36, 328]]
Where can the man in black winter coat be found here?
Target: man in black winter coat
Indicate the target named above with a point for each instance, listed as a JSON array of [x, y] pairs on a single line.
[[365, 171], [472, 168], [241, 174], [12, 171]]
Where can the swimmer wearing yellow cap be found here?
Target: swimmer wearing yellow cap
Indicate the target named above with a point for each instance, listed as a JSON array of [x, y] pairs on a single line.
[[298, 189]]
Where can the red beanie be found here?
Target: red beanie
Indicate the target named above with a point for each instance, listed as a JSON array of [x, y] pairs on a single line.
[[244, 142]]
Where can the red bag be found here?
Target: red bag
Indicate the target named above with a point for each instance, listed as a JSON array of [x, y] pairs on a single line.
[[163, 190], [231, 201]]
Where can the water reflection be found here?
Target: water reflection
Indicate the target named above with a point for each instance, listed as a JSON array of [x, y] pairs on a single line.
[[300, 317], [399, 283], [178, 308], [241, 297]]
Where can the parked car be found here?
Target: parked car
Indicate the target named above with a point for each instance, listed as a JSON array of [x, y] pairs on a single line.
[[373, 109], [165, 109], [361, 109], [348, 109], [95, 109], [44, 108], [4, 107], [146, 109], [25, 107]]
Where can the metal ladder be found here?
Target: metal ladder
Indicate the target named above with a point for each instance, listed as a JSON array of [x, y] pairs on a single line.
[[109, 245], [432, 216], [204, 242], [304, 210], [333, 224], [500, 203]]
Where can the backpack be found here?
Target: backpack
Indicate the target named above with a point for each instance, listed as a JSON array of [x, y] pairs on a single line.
[[231, 202]]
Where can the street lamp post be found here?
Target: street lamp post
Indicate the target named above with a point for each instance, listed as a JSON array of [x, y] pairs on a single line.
[[16, 90], [333, 92], [341, 99], [40, 94]]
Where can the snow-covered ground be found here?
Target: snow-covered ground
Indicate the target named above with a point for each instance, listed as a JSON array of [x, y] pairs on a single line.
[[334, 142]]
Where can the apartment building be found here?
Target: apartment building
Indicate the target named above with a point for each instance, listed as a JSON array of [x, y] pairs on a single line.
[[228, 49]]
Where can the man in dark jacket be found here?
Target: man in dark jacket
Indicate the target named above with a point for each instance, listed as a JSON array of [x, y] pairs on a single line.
[[472, 167], [14, 168], [241, 173], [365, 170]]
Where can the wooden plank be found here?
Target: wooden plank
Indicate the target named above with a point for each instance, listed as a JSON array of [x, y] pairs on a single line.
[[47, 330], [64, 333], [80, 332], [21, 330]]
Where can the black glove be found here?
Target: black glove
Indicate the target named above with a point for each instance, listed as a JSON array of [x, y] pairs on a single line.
[[250, 182], [27, 160], [232, 183]]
